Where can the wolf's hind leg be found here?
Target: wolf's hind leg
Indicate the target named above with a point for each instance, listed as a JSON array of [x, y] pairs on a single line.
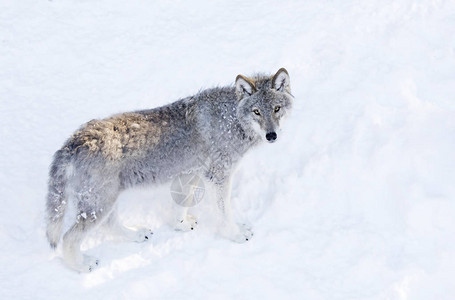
[[91, 214], [140, 235], [72, 247], [184, 221]]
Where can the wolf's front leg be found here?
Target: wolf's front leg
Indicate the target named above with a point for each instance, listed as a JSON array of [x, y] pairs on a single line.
[[184, 221], [228, 227]]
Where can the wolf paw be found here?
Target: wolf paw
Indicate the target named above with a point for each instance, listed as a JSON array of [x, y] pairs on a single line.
[[142, 235], [91, 262], [187, 224], [88, 264], [243, 235]]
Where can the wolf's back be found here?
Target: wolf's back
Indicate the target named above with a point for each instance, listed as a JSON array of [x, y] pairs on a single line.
[[56, 198]]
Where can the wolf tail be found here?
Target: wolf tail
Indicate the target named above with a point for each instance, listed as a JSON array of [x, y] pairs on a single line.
[[56, 198]]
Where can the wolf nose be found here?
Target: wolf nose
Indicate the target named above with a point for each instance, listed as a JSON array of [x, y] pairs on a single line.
[[271, 136]]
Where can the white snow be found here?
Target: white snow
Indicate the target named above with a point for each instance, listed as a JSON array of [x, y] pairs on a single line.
[[354, 201]]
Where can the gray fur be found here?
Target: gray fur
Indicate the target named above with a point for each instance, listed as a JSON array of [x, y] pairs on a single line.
[[206, 133]]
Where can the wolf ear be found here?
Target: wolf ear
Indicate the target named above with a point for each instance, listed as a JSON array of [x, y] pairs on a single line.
[[281, 81], [244, 87]]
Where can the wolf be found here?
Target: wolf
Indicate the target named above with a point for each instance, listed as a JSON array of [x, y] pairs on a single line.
[[205, 134]]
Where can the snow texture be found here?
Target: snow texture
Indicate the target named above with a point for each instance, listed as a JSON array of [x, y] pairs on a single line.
[[354, 201]]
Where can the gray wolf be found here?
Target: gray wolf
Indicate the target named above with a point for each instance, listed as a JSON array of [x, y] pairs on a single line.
[[205, 134]]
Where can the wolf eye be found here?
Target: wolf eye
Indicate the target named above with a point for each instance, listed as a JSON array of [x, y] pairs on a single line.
[[277, 109], [256, 112]]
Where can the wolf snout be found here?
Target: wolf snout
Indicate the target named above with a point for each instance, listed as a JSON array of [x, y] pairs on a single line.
[[271, 136]]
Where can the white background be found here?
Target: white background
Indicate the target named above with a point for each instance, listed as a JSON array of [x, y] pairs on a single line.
[[355, 201]]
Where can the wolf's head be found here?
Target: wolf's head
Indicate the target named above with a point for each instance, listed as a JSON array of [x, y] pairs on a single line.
[[263, 102]]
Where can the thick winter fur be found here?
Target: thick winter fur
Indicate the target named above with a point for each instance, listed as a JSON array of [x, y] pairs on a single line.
[[206, 133]]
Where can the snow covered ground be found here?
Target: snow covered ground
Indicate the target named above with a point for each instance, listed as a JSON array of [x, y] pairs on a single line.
[[356, 201]]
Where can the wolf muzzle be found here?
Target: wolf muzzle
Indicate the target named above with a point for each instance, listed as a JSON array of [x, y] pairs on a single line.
[[271, 136]]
